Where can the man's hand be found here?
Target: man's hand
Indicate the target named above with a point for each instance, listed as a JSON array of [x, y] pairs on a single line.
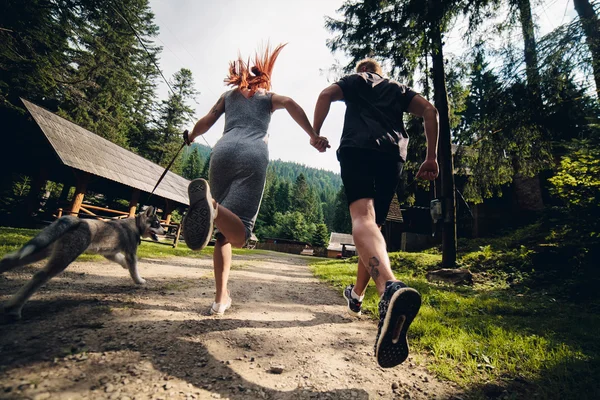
[[320, 143], [186, 138], [429, 170]]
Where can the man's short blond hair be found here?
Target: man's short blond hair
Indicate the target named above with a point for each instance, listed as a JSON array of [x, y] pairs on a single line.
[[368, 65]]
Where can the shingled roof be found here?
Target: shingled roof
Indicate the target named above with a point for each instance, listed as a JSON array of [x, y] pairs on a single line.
[[81, 149], [337, 239], [394, 213]]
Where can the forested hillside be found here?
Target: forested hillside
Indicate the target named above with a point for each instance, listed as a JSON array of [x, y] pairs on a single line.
[[299, 201]]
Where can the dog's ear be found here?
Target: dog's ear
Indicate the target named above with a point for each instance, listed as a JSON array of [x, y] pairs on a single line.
[[149, 211]]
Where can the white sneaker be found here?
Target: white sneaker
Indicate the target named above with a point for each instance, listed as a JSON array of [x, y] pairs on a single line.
[[220, 308]]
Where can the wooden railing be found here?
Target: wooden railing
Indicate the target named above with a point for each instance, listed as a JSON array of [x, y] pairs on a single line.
[[87, 210]]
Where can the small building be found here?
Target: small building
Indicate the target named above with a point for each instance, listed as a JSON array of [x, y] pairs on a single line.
[[283, 245], [341, 245], [408, 229], [48, 147]]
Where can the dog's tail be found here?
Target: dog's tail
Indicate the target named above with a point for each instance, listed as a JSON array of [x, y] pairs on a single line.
[[47, 236]]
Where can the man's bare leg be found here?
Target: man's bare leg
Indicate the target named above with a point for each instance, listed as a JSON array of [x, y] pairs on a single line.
[[399, 304], [370, 244]]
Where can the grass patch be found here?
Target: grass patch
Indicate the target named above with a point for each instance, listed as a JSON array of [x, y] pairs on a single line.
[[475, 336], [12, 239]]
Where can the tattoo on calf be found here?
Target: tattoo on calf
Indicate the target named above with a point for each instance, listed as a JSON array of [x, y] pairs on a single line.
[[374, 263]]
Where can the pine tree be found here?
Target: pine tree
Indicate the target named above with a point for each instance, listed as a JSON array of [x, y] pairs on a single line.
[[485, 156], [342, 223], [321, 236], [301, 196], [266, 215], [174, 116], [206, 168], [33, 53], [106, 58], [144, 130], [591, 25], [192, 167], [283, 198], [294, 226]]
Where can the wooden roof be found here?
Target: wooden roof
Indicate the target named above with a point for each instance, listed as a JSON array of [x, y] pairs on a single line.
[[81, 149], [336, 240]]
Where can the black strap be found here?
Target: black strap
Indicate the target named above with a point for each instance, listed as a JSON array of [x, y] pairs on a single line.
[[166, 170]]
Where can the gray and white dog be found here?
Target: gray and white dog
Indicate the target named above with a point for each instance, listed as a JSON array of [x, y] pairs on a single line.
[[68, 237]]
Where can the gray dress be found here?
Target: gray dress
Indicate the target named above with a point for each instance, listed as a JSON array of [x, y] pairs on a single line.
[[239, 160]]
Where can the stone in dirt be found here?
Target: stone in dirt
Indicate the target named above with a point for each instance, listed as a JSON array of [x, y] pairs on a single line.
[[276, 369], [457, 276]]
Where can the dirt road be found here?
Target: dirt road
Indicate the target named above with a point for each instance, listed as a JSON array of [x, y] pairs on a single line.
[[92, 334]]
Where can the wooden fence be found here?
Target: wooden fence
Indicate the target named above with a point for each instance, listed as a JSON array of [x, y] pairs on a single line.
[[91, 211]]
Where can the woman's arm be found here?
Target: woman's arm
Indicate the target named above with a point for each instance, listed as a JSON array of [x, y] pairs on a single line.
[[204, 123], [298, 114]]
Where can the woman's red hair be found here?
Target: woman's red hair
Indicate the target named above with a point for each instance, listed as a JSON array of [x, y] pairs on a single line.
[[257, 77]]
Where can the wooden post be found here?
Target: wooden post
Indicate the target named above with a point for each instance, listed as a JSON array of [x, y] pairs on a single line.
[[177, 236], [167, 212], [64, 193], [82, 180], [135, 195], [33, 198]]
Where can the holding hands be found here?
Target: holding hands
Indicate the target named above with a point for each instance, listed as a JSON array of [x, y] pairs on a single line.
[[320, 143]]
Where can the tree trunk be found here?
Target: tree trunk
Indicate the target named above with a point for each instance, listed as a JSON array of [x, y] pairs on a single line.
[[591, 27], [531, 61], [528, 191], [440, 96]]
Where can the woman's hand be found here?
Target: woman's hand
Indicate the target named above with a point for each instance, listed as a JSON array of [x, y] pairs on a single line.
[[186, 138], [320, 143]]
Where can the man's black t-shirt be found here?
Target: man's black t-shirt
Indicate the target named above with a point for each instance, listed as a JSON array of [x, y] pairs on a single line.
[[363, 126]]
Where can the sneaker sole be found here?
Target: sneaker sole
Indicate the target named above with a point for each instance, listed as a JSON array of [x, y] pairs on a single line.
[[198, 222], [348, 309], [392, 346]]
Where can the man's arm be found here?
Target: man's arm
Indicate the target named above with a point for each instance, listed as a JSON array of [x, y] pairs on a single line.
[[298, 114], [422, 108], [327, 96]]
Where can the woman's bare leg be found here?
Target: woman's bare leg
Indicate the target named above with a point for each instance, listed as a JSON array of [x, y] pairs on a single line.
[[222, 265], [231, 226]]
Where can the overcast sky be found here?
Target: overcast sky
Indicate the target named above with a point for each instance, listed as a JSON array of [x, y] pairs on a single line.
[[205, 35]]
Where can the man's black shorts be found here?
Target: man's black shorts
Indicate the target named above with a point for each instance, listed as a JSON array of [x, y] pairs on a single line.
[[369, 174]]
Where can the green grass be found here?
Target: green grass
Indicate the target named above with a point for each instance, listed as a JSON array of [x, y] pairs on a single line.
[[490, 334], [11, 239]]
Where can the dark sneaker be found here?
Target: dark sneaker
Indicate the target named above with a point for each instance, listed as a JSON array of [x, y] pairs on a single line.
[[398, 307], [198, 222], [354, 306]]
